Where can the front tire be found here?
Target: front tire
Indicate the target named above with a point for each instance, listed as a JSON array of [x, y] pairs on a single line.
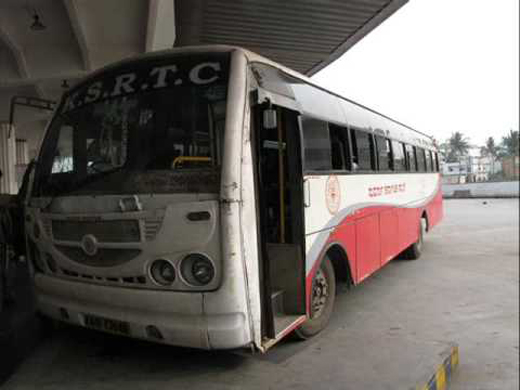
[[322, 301]]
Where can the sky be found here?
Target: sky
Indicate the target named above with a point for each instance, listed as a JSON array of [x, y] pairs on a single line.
[[439, 66]]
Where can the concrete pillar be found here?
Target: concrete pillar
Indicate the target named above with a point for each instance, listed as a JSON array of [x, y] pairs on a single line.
[[160, 29], [8, 184]]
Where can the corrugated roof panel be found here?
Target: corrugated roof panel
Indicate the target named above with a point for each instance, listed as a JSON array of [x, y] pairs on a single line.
[[302, 34]]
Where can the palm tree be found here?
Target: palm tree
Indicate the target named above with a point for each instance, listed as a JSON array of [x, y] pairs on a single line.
[[510, 143], [458, 145], [491, 150], [444, 150]]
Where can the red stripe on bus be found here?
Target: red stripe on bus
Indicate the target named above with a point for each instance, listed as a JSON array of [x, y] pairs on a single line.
[[374, 235]]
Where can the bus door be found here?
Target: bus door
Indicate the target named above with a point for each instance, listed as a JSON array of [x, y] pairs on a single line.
[[276, 140]]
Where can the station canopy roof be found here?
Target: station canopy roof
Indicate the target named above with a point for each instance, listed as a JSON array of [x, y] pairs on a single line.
[[48, 45]]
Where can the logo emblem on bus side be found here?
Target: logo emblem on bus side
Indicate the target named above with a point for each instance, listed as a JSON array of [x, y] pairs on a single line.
[[89, 244], [332, 194]]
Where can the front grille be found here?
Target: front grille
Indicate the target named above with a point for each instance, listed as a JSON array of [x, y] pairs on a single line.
[[126, 280], [104, 231], [105, 257], [151, 227]]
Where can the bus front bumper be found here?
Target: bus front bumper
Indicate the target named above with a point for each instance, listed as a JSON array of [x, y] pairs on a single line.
[[178, 316]]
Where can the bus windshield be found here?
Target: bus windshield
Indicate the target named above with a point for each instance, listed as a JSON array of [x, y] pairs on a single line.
[[152, 127]]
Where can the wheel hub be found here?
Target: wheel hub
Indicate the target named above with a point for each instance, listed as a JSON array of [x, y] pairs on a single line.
[[320, 293]]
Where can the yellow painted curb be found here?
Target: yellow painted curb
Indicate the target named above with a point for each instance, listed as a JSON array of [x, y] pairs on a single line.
[[440, 380]]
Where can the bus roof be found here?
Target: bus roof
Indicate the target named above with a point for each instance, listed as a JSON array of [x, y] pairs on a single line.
[[254, 57]]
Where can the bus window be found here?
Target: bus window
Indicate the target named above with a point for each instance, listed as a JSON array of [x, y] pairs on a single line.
[[421, 159], [399, 159], [316, 144], [362, 150], [339, 148], [63, 161], [384, 153], [437, 169], [411, 158], [429, 161]]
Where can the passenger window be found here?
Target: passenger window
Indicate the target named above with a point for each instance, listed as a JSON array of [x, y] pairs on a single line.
[[429, 161], [339, 148], [384, 153], [399, 159], [362, 150], [316, 145], [411, 158], [421, 159]]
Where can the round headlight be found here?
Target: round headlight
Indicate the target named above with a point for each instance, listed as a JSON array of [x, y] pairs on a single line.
[[162, 272], [197, 269], [202, 270]]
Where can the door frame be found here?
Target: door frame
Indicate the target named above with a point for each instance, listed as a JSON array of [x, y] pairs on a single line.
[[269, 336]]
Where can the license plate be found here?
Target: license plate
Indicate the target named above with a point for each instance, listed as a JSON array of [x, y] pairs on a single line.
[[107, 324]]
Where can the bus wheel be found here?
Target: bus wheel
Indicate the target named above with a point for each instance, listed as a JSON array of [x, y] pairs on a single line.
[[414, 251], [322, 298]]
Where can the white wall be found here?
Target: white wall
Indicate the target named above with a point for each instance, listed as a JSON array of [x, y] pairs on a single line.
[[8, 184], [507, 189]]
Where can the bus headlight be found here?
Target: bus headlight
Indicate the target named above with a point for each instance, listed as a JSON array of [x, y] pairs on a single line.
[[197, 269], [162, 272]]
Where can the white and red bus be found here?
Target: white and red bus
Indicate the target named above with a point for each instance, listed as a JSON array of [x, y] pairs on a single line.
[[208, 197]]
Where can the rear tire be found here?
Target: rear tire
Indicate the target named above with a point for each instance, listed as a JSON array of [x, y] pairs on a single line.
[[414, 251], [322, 301]]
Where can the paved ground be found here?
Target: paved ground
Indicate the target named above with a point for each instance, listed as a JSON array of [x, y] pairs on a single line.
[[464, 289], [20, 331]]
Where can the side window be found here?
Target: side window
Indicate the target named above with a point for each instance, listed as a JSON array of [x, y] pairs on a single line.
[[339, 146], [384, 153], [410, 158], [316, 145], [362, 150], [429, 161], [421, 159], [437, 166], [399, 159]]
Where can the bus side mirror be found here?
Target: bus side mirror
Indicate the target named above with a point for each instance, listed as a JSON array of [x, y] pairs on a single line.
[[270, 119]]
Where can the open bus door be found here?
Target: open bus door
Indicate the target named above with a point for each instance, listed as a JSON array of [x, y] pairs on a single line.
[[279, 184]]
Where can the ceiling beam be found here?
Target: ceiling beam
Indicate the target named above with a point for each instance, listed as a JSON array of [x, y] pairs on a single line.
[[19, 58], [16, 52], [79, 31], [160, 28]]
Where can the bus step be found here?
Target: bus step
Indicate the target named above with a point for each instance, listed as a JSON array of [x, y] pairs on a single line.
[[277, 303]]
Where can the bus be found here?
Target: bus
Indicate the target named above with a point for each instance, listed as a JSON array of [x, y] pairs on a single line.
[[208, 197]]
